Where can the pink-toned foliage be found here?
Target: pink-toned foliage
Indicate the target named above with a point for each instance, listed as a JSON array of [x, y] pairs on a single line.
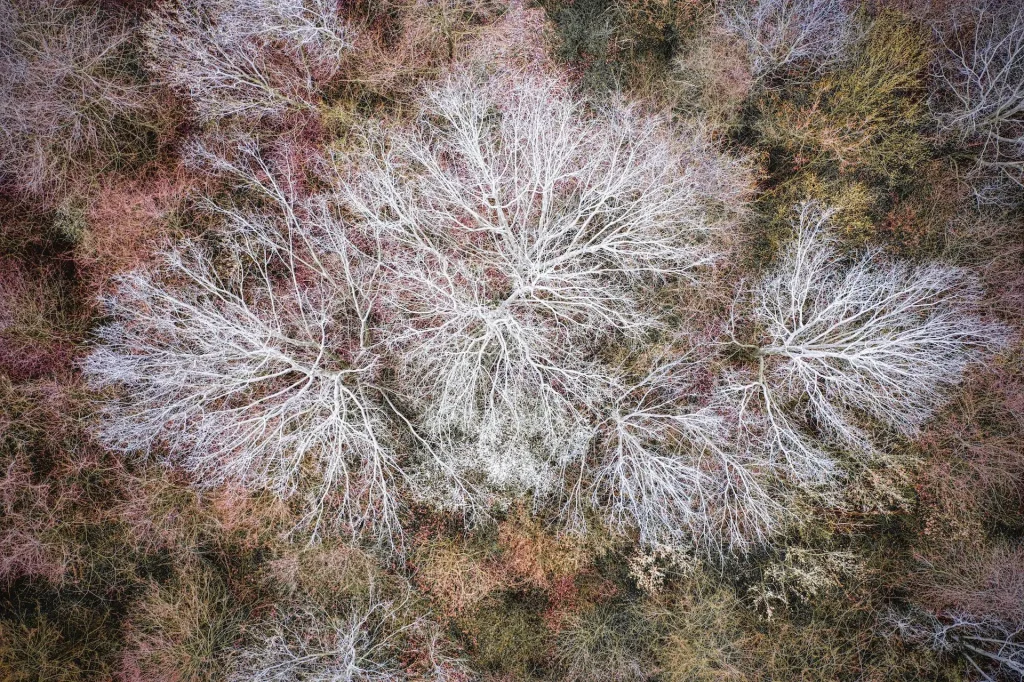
[[128, 221]]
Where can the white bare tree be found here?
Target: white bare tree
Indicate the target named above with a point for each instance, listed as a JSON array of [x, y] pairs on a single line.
[[253, 360], [784, 34], [871, 339], [247, 59], [993, 649], [979, 99], [521, 225], [66, 91], [364, 645], [670, 467]]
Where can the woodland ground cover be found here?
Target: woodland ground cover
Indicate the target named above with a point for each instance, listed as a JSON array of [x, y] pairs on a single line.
[[472, 339]]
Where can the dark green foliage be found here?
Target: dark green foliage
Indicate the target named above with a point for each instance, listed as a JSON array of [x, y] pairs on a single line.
[[622, 44], [506, 634]]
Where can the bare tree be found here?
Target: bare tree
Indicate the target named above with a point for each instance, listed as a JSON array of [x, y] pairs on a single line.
[[784, 34], [672, 468], [67, 96], [980, 96], [521, 226], [993, 649], [873, 339], [364, 645], [252, 360], [247, 59], [497, 245]]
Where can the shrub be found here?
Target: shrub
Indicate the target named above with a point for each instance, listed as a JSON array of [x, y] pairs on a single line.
[[26, 536], [865, 119], [183, 630], [454, 574], [705, 638], [992, 649], [982, 583], [506, 635], [799, 577], [71, 99], [973, 479], [39, 323], [534, 557], [55, 489], [605, 642], [126, 221], [402, 44], [44, 646], [368, 643], [712, 77], [617, 44]]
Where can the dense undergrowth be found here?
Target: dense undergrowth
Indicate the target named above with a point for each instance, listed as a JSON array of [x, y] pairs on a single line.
[[578, 340]]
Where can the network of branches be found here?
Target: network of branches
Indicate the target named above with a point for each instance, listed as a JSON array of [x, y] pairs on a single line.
[[499, 340], [437, 321], [69, 97]]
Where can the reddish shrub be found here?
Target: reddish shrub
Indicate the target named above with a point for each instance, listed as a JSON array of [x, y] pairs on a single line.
[[535, 557], [127, 220], [986, 584]]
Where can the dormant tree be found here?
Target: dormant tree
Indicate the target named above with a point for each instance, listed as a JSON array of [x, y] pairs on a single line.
[[369, 643], [871, 339], [979, 99], [993, 649], [247, 59], [252, 359], [784, 34], [670, 467], [522, 227], [67, 95]]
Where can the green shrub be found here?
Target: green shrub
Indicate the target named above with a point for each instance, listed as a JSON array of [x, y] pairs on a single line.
[[184, 630], [623, 44], [36, 647], [867, 119], [505, 634]]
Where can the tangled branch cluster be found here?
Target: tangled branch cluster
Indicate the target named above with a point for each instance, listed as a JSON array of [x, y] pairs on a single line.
[[361, 645], [872, 340], [979, 100], [68, 93], [247, 60], [785, 34]]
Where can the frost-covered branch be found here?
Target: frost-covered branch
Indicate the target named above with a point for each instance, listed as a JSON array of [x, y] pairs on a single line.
[[521, 225], [673, 468], [251, 360], [871, 339], [67, 94], [368, 644], [993, 649]]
